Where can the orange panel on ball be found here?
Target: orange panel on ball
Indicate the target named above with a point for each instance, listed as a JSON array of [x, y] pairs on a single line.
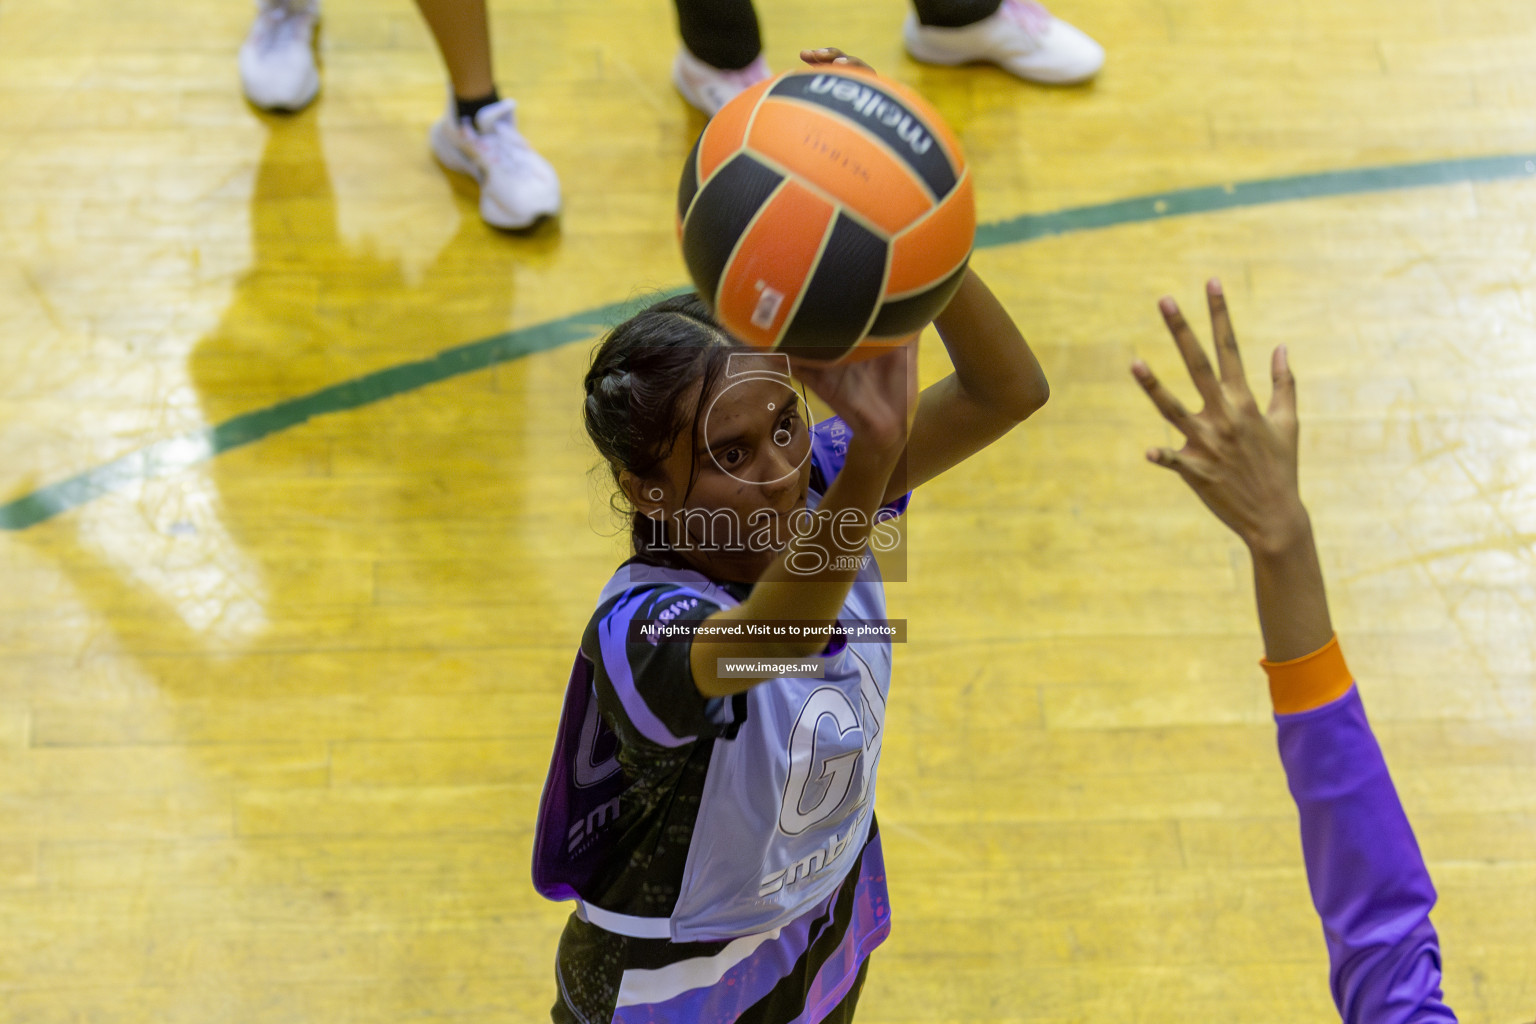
[[772, 264], [851, 165], [726, 130], [934, 247]]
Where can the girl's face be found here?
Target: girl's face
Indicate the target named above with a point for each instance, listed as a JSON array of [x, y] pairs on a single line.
[[750, 468]]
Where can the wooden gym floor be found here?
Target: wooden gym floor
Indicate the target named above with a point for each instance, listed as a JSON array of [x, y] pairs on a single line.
[[287, 603]]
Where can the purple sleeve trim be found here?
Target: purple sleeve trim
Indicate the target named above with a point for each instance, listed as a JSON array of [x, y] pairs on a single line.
[[829, 446], [829, 451], [613, 635], [1368, 880]]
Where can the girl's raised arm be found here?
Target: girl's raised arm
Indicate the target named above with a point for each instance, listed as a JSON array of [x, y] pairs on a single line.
[[997, 384], [808, 581]]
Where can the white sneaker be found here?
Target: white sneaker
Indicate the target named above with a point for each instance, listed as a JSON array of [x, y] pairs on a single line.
[[1022, 38], [277, 59], [709, 88], [517, 185]]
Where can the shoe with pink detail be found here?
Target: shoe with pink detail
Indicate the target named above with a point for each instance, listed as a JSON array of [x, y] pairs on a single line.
[[518, 187], [1022, 38], [709, 88], [277, 59]]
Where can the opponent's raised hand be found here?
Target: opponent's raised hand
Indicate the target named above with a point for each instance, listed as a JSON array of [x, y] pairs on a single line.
[[1241, 461]]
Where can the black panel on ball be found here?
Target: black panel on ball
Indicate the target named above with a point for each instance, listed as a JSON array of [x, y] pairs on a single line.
[[719, 214], [841, 295], [866, 103], [690, 180], [901, 317]]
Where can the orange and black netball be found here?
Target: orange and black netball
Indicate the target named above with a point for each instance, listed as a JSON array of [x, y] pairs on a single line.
[[826, 213]]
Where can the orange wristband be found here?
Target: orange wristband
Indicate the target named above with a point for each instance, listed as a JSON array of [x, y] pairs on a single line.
[[1310, 681]]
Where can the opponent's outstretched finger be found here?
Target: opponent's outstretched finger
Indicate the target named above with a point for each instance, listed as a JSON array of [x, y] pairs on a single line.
[[1194, 355], [1190, 468], [1228, 357], [1282, 400], [1166, 401]]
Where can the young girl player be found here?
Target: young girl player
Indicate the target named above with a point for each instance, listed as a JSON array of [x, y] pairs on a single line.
[[718, 831]]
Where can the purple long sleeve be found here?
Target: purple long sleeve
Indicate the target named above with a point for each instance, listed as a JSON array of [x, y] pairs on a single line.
[[1368, 881]]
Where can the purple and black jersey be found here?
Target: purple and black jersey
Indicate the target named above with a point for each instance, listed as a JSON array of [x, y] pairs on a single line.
[[723, 853]]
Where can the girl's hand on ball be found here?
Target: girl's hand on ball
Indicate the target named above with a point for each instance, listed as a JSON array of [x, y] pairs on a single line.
[[832, 55], [876, 397]]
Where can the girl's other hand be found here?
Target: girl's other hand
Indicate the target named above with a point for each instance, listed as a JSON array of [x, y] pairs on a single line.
[[832, 55], [876, 397]]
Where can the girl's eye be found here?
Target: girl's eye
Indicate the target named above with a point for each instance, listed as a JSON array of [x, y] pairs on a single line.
[[733, 456]]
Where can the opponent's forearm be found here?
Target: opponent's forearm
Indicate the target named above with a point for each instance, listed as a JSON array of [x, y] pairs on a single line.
[[1288, 585]]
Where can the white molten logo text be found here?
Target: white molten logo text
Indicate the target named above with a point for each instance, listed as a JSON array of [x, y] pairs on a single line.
[[875, 106]]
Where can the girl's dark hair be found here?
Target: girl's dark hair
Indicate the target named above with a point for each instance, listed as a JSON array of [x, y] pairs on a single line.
[[634, 409]]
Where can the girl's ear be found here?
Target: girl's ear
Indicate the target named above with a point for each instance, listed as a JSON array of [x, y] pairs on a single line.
[[646, 496]]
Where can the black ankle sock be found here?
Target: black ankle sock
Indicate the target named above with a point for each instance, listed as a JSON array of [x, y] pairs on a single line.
[[469, 108], [954, 13], [722, 33]]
